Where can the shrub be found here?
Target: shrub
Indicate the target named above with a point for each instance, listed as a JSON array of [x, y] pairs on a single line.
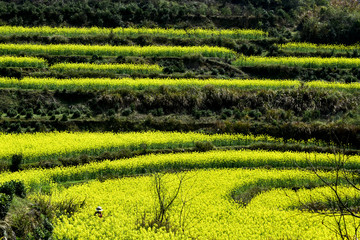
[[64, 117], [157, 112], [126, 112], [11, 112], [29, 114], [255, 114], [5, 201], [214, 72], [204, 146], [160, 112], [223, 116], [13, 188], [16, 160], [51, 113], [19, 188], [22, 112], [227, 112], [76, 114], [239, 114], [111, 112]]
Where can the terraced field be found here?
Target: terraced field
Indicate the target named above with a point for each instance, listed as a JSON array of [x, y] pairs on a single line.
[[148, 83], [176, 142], [310, 47], [310, 62], [86, 50], [95, 31]]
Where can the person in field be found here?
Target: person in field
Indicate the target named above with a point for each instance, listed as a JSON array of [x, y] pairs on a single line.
[[98, 212]]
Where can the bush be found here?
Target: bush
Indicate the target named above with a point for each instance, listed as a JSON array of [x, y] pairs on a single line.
[[126, 112], [64, 117], [13, 188], [157, 112], [29, 114], [84, 158], [5, 201], [16, 160], [20, 190], [51, 113], [227, 112], [215, 72], [197, 114], [256, 114], [32, 221], [22, 112], [239, 114], [11, 113], [76, 114], [69, 161], [111, 112], [204, 146]]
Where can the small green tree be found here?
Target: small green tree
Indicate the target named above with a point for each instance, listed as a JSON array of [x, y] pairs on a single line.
[[16, 160]]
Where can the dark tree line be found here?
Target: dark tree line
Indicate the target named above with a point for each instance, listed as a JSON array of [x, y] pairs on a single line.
[[107, 13]]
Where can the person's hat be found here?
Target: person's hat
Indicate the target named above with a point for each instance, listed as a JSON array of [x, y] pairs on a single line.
[[99, 209]]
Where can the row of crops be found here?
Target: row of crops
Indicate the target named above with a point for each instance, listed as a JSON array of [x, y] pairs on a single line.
[[31, 62], [131, 32], [300, 47], [39, 146], [159, 51], [108, 50], [305, 62], [156, 83], [107, 68], [162, 162], [196, 33]]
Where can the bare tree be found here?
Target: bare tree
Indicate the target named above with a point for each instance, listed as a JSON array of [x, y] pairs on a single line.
[[340, 206], [166, 198]]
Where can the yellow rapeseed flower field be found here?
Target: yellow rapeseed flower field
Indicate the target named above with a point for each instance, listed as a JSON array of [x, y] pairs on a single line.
[[161, 162], [183, 83], [210, 212], [306, 62], [37, 146], [312, 47], [108, 50], [29, 62], [145, 83], [124, 68], [133, 32]]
